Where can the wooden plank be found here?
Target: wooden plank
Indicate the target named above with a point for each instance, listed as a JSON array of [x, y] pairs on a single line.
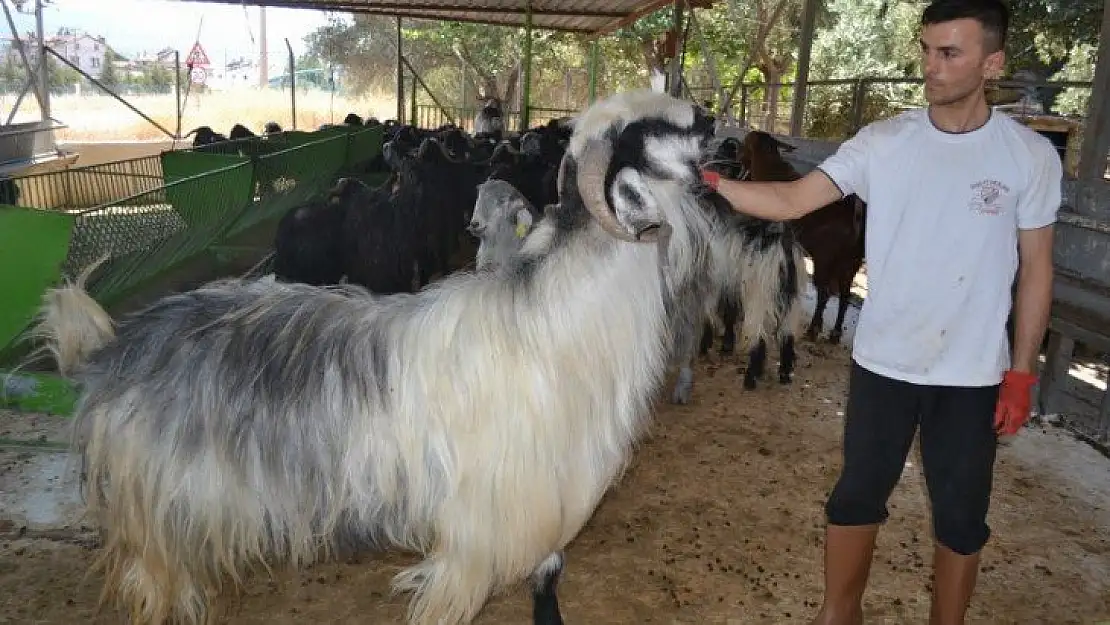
[[1057, 362], [1104, 415], [1074, 332]]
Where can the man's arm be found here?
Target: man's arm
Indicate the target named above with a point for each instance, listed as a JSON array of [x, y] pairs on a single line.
[[1034, 296], [1036, 215], [780, 201], [843, 173]]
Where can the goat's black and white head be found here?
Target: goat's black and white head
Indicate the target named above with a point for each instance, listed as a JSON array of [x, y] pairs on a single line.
[[633, 162]]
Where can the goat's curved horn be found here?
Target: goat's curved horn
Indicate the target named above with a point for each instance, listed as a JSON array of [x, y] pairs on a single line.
[[591, 186]]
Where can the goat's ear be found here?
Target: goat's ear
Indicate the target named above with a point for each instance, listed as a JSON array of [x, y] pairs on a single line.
[[523, 222], [786, 147]]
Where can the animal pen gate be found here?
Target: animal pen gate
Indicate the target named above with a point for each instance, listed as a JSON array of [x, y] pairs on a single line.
[[150, 215]]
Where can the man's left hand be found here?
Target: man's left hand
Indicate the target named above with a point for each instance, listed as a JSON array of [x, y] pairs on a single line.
[[1014, 399]]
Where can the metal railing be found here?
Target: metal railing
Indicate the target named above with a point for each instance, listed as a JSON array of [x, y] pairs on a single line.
[[835, 109], [432, 116]]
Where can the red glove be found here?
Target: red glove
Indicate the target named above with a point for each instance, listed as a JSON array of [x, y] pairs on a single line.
[[1014, 399], [711, 178]]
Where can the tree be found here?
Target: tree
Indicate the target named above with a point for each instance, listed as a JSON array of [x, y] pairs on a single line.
[[109, 77], [59, 75]]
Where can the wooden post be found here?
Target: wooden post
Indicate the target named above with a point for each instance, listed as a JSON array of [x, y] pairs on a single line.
[[43, 69], [1096, 137], [809, 24], [674, 82], [400, 76], [526, 88], [594, 45]]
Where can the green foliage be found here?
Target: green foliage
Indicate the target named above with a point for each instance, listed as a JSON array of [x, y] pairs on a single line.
[[1080, 66], [109, 75], [754, 38], [863, 39]]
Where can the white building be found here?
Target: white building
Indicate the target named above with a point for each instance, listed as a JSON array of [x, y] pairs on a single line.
[[82, 49]]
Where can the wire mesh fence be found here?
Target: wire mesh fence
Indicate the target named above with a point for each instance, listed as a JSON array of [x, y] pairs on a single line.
[[151, 232]]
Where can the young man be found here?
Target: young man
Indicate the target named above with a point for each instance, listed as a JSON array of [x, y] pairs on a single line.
[[957, 195]]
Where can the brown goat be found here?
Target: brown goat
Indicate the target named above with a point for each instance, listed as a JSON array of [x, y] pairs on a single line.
[[832, 236]]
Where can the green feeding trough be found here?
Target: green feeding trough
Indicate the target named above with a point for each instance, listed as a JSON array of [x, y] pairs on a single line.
[[37, 392], [33, 245], [149, 216]]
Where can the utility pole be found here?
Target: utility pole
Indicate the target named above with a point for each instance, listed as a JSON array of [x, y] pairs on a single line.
[[263, 57]]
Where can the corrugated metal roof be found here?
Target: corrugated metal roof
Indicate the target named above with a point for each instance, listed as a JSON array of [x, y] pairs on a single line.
[[589, 16]]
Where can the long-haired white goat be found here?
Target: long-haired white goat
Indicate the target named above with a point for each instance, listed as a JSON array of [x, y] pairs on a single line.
[[755, 263], [477, 422]]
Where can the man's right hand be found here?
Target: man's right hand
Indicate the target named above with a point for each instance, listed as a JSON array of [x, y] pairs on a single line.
[[711, 178]]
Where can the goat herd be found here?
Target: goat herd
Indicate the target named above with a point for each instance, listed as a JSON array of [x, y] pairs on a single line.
[[475, 418]]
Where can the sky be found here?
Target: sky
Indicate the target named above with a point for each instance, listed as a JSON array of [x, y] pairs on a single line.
[[134, 26]]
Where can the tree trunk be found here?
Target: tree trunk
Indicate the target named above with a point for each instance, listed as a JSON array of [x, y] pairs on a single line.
[[771, 97], [652, 58], [512, 80]]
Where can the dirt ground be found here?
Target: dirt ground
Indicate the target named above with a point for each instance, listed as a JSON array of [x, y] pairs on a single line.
[[719, 520]]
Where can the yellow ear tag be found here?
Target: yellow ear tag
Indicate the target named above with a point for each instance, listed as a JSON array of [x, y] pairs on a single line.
[[521, 230]]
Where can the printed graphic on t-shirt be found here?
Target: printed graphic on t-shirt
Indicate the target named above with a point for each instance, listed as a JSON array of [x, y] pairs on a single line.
[[986, 196]]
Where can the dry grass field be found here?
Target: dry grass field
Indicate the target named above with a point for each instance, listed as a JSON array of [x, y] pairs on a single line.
[[97, 117]]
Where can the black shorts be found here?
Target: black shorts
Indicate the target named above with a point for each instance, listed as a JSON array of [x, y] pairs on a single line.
[[958, 445]]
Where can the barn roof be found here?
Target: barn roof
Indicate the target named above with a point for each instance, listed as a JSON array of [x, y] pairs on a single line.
[[586, 16]]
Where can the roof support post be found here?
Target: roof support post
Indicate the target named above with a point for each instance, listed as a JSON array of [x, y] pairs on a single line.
[[43, 69], [809, 24], [526, 88], [674, 83], [592, 65], [1096, 136], [400, 75]]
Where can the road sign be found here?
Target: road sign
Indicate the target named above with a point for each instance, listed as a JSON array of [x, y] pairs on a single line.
[[198, 75], [197, 57]]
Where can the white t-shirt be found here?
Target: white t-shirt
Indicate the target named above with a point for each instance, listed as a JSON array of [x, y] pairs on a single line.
[[943, 212]]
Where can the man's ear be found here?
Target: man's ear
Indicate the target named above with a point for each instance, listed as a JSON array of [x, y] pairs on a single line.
[[994, 65]]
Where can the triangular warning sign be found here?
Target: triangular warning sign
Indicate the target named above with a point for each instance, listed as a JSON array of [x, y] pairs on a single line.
[[197, 57]]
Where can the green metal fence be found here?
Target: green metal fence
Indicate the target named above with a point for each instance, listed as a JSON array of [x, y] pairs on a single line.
[[167, 209]]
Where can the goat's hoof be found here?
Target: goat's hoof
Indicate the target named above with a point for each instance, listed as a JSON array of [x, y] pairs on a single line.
[[749, 382], [682, 393], [785, 378], [834, 337]]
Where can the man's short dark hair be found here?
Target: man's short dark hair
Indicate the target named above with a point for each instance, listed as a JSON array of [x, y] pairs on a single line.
[[992, 15]]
